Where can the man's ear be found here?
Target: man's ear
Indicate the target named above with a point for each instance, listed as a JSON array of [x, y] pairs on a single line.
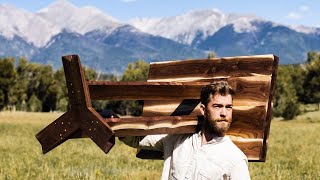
[[202, 109]]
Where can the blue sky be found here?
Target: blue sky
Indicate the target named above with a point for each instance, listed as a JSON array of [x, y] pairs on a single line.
[[294, 12]]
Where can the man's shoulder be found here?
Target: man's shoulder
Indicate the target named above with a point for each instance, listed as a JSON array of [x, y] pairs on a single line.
[[177, 138], [226, 150], [234, 149]]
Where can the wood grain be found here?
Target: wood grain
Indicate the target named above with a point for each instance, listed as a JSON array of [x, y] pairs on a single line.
[[252, 104], [207, 68], [171, 103], [246, 88], [250, 147]]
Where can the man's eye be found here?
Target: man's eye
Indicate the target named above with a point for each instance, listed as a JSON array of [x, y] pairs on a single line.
[[229, 107]]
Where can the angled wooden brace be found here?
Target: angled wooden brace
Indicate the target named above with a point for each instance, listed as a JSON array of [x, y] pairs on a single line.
[[81, 118]]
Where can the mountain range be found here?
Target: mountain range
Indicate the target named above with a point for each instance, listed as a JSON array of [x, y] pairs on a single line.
[[108, 45]]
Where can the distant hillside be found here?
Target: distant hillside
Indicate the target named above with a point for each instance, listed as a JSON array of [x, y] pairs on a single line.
[[289, 45]]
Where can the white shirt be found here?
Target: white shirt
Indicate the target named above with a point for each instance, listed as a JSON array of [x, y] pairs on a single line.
[[186, 158]]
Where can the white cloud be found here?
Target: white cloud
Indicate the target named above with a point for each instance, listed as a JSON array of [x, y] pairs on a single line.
[[294, 15], [128, 1], [304, 8], [300, 13]]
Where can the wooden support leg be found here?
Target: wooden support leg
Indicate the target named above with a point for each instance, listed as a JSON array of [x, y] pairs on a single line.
[[57, 132], [81, 117]]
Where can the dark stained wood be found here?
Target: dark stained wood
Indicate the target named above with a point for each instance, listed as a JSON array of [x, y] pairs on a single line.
[[242, 126], [250, 147], [250, 115], [249, 89], [171, 103], [146, 90], [141, 132], [81, 117], [142, 126], [207, 68], [252, 118], [94, 126], [57, 132], [267, 122], [154, 125], [166, 108]]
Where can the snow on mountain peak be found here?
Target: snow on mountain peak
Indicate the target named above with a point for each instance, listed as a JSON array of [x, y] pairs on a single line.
[[304, 29], [80, 20], [187, 24], [185, 27], [21, 23], [38, 28], [242, 23]]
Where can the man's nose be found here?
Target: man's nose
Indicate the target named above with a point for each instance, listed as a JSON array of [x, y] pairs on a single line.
[[223, 112]]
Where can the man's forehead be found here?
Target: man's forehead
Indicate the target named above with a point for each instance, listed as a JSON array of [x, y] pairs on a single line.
[[221, 99]]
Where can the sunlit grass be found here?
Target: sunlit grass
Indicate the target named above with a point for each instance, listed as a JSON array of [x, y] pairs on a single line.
[[21, 156], [292, 153]]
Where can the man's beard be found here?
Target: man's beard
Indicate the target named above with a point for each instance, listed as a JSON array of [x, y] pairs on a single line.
[[213, 126]]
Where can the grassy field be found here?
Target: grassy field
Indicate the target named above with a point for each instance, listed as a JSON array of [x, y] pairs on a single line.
[[292, 153]]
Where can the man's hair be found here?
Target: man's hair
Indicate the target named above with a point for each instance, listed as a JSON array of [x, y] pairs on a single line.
[[221, 87]]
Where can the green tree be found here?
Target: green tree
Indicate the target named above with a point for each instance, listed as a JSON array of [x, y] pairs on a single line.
[[62, 91], [312, 55], [34, 80], [298, 78], [286, 102], [18, 93], [40, 82], [312, 79], [46, 91], [62, 104], [1, 100], [211, 54], [108, 77], [7, 77], [136, 71], [91, 74], [34, 104]]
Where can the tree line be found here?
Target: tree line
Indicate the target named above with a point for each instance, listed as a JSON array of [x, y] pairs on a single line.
[[35, 87], [297, 86]]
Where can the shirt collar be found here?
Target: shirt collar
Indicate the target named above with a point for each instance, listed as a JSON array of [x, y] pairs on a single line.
[[214, 140]]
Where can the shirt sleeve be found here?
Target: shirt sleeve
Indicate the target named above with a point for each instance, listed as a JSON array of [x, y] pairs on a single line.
[[150, 142], [240, 171], [153, 142]]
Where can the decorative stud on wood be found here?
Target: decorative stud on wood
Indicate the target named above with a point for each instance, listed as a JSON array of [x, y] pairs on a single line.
[[81, 117]]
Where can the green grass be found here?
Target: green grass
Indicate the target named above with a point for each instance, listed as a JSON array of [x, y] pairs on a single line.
[[293, 150], [292, 153]]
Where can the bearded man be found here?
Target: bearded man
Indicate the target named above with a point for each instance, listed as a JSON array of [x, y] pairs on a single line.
[[207, 154]]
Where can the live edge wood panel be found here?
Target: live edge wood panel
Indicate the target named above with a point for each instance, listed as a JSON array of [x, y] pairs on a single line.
[[171, 103], [253, 79]]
